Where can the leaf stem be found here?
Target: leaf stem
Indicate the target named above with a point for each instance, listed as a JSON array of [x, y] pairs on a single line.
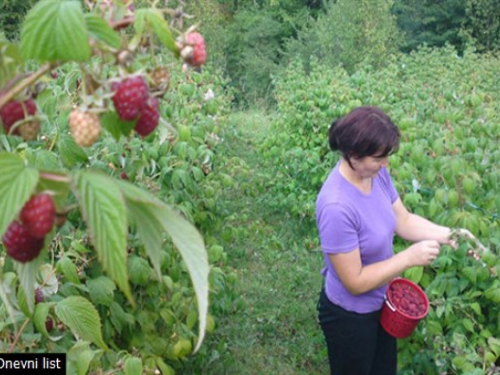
[[55, 177], [11, 93], [18, 335]]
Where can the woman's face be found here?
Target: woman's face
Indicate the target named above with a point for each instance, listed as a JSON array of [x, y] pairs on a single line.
[[369, 166]]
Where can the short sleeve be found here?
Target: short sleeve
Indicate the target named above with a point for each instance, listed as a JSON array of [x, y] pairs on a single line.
[[337, 229]]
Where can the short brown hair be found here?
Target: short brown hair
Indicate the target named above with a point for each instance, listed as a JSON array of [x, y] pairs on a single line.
[[365, 131]]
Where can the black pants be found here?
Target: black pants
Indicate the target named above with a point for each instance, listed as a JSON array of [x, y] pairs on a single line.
[[357, 344]]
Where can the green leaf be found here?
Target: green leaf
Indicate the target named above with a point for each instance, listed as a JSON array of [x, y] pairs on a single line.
[[82, 318], [68, 269], [183, 234], [493, 293], [414, 274], [139, 270], [23, 302], [40, 317], [55, 30], [116, 126], [154, 18], [101, 290], [132, 366], [103, 209], [10, 61], [476, 308], [8, 282], [150, 232], [79, 358], [100, 30], [17, 183], [26, 273], [71, 154]]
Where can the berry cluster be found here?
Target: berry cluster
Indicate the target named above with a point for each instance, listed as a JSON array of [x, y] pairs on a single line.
[[406, 299], [132, 101], [19, 110], [192, 48], [25, 237]]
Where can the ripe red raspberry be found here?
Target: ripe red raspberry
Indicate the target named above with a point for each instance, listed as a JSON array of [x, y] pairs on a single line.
[[38, 215], [198, 54], [15, 110], [85, 127], [131, 96], [150, 116], [20, 245]]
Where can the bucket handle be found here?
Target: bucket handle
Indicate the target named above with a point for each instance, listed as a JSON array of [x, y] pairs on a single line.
[[390, 305]]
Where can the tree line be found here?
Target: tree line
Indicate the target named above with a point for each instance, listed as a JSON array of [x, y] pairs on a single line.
[[251, 41]]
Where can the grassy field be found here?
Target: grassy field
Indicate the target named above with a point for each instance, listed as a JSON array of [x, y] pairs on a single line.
[[274, 328]]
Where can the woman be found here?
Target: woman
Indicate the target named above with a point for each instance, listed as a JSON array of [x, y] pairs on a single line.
[[357, 212]]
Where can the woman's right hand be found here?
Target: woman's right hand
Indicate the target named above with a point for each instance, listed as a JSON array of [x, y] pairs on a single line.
[[423, 253]]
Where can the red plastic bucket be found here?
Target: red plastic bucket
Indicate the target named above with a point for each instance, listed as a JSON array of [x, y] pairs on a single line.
[[405, 305]]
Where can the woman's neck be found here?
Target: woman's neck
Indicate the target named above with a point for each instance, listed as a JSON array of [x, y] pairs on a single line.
[[364, 184]]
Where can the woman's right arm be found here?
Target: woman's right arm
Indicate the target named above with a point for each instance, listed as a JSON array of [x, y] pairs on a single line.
[[360, 279]]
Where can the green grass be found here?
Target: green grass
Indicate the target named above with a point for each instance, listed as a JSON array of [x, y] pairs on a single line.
[[270, 325]]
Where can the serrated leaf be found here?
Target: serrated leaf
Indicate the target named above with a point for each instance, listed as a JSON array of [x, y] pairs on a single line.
[[103, 209], [80, 315], [100, 30], [17, 182], [154, 18], [185, 237], [139, 270], [71, 154], [116, 126], [79, 357], [40, 317], [55, 30], [150, 232], [132, 366], [493, 293], [68, 269], [414, 274], [101, 290]]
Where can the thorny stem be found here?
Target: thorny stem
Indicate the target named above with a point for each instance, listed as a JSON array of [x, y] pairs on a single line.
[[28, 81]]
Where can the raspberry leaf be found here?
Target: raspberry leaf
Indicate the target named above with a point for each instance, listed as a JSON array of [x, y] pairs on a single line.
[[40, 316], [100, 30], [26, 273], [115, 125], [17, 182], [152, 218], [101, 290], [71, 153], [55, 31], [103, 210], [81, 316], [152, 18], [10, 61]]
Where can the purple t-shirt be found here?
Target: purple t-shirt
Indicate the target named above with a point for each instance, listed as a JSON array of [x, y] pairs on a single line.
[[349, 219]]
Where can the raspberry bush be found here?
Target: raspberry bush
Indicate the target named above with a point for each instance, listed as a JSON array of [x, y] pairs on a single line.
[[107, 176]]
